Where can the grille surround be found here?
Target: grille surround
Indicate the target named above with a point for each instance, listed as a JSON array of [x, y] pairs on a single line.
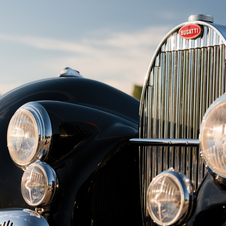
[[195, 67]]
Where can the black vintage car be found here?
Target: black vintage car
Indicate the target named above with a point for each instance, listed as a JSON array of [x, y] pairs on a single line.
[[78, 152]]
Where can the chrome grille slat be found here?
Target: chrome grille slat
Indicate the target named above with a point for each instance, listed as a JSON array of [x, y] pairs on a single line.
[[196, 106], [146, 158], [203, 83], [178, 107], [190, 94], [184, 79], [184, 165], [166, 110], [162, 99], [161, 116], [211, 54], [221, 60], [172, 104], [214, 84], [217, 52], [155, 119]]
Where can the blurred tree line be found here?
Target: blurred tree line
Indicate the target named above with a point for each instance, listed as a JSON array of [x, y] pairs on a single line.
[[137, 91]]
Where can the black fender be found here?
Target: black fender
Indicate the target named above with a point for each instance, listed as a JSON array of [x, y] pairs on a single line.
[[212, 215], [96, 121], [210, 205], [79, 167]]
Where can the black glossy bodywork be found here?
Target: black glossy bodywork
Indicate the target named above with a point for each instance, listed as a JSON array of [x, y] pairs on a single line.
[[97, 168], [210, 203]]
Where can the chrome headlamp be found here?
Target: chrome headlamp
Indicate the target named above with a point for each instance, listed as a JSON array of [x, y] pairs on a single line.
[[29, 134], [39, 184], [170, 198], [213, 137]]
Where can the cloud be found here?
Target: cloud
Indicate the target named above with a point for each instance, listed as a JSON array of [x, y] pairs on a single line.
[[143, 38], [120, 60]]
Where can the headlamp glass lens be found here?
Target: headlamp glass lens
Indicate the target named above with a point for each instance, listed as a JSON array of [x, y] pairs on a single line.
[[22, 136], [34, 185], [164, 199], [213, 138], [39, 184]]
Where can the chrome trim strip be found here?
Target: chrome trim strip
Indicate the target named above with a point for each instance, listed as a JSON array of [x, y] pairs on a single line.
[[165, 142]]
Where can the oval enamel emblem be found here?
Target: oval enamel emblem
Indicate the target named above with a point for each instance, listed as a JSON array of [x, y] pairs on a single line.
[[190, 31]]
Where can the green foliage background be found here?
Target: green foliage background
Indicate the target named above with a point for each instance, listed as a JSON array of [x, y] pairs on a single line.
[[137, 91]]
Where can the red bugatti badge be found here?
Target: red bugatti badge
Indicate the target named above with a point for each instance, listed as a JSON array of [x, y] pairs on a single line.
[[190, 31]]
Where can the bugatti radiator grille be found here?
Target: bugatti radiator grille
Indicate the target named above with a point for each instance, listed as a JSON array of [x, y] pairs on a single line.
[[184, 78]]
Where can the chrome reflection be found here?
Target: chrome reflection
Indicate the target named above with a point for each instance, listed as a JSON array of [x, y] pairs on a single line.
[[23, 217]]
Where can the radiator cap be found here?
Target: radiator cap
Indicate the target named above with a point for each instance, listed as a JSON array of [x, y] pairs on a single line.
[[201, 17]]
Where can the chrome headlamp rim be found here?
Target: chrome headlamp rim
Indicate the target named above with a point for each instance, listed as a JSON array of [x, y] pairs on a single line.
[[52, 184], [218, 101], [187, 197], [44, 129]]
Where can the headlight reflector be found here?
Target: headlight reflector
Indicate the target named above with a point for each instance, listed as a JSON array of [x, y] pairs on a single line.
[[29, 134], [213, 136], [39, 184], [169, 197]]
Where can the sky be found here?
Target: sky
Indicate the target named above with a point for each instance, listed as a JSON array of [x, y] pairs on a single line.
[[109, 41]]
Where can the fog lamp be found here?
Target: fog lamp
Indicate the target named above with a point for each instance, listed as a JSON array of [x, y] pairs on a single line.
[[29, 134], [170, 198], [213, 137], [39, 184]]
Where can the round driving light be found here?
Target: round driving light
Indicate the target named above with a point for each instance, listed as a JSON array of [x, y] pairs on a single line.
[[39, 184], [213, 137], [29, 134], [170, 198]]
